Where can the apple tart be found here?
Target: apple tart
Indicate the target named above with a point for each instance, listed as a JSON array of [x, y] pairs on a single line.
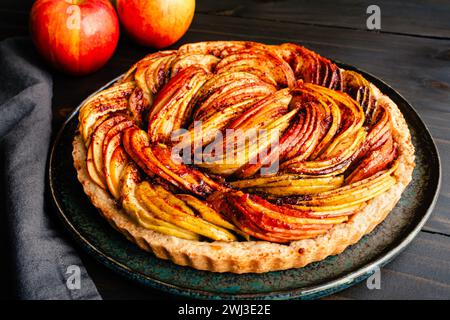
[[165, 155]]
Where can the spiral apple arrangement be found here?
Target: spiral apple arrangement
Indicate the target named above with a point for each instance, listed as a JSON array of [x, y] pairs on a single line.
[[335, 149]]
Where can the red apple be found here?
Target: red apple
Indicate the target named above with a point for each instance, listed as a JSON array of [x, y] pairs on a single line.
[[75, 36], [156, 23]]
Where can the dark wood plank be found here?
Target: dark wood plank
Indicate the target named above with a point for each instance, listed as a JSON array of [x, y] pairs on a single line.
[[422, 271], [405, 17]]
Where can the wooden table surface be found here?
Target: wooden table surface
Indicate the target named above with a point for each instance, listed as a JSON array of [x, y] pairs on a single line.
[[411, 52]]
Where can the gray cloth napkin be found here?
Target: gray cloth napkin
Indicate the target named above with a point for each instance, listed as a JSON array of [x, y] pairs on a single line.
[[40, 257]]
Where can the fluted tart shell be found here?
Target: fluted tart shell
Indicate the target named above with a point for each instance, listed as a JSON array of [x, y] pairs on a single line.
[[258, 256]]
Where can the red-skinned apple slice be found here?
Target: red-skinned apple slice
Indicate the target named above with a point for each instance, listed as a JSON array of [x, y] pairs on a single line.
[[110, 100], [184, 61], [172, 106], [92, 171], [98, 138], [157, 159], [111, 142], [263, 62], [117, 164]]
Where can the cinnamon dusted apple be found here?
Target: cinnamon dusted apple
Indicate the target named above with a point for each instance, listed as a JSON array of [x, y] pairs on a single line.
[[235, 156]]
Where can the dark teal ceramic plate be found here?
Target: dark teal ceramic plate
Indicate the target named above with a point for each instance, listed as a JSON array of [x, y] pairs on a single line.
[[315, 280]]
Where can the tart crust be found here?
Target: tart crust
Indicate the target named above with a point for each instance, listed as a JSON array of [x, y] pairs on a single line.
[[258, 256]]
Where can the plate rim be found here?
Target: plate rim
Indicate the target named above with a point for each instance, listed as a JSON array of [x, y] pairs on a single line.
[[316, 291]]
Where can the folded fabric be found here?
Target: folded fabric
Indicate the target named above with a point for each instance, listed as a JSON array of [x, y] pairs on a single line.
[[41, 260]]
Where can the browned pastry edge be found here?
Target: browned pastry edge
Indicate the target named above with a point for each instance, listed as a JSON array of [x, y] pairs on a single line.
[[258, 256]]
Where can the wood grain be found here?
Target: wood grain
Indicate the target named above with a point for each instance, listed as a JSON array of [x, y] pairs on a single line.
[[422, 271], [412, 18]]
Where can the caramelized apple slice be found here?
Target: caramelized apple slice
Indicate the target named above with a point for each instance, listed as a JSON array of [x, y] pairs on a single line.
[[355, 193], [157, 159], [114, 162], [117, 164], [375, 161], [157, 73], [264, 112], [221, 99], [299, 140], [360, 90], [130, 74], [244, 147], [287, 185], [110, 100], [334, 164], [206, 212], [217, 48], [129, 181], [96, 144], [227, 89], [183, 61], [267, 221], [92, 171], [264, 63], [149, 74], [151, 199], [138, 105], [172, 106], [311, 67]]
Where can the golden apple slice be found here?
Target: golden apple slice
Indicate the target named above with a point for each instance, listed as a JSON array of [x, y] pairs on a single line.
[[330, 211], [287, 215], [129, 182], [354, 193], [334, 164], [173, 201], [151, 200], [206, 212], [286, 185], [110, 100]]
